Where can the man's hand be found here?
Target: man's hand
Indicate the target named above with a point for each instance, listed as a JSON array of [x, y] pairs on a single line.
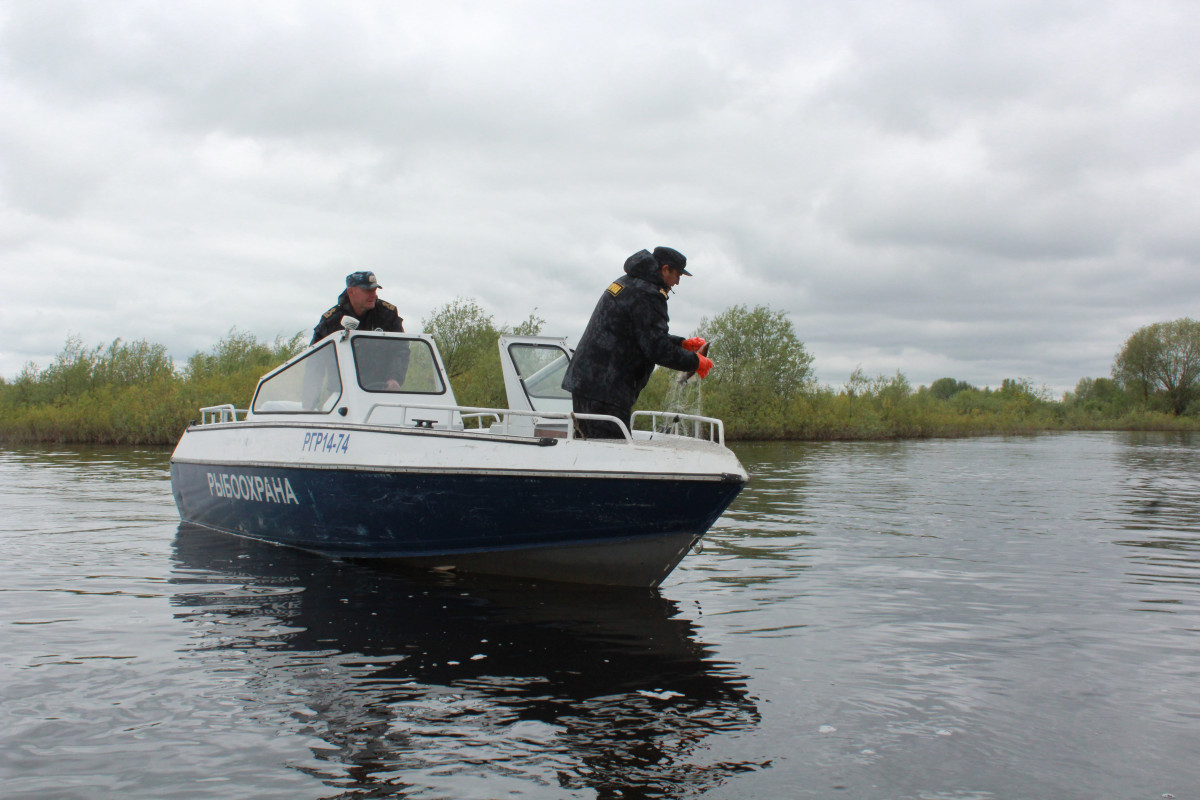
[[694, 344], [705, 365]]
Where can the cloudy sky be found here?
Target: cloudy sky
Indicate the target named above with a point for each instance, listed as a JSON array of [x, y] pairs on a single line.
[[960, 188]]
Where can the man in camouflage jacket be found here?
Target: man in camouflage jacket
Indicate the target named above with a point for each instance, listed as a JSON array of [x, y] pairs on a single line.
[[625, 338]]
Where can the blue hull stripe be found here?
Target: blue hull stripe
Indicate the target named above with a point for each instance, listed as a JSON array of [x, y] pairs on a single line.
[[404, 514]]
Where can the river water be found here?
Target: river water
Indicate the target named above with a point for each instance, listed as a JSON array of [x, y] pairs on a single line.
[[982, 618]]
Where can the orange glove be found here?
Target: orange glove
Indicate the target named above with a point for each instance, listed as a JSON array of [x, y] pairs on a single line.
[[693, 344], [705, 365]]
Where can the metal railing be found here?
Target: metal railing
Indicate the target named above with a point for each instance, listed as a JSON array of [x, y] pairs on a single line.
[[503, 421], [213, 415], [688, 425]]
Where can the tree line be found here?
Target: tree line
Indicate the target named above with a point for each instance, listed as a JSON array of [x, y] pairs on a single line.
[[762, 386]]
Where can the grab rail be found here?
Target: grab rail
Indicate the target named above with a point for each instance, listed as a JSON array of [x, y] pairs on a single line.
[[212, 415], [676, 424], [661, 422], [503, 417], [572, 430]]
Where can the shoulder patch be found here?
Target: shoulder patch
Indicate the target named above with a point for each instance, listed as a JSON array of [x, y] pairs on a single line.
[[331, 312], [386, 305], [614, 288]]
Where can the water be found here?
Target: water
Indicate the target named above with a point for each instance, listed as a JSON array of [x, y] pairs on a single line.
[[989, 618]]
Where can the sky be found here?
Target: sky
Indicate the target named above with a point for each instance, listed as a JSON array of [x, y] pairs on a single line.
[[953, 188]]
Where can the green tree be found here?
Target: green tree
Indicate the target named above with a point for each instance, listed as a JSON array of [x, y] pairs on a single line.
[[757, 348], [124, 364], [945, 388], [230, 371], [1165, 357], [70, 373], [239, 351], [1022, 389], [464, 332], [530, 326], [467, 337], [26, 387], [761, 370], [858, 385], [1099, 396], [1134, 365]]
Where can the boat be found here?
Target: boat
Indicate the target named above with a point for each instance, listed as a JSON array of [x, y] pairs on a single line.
[[357, 448]]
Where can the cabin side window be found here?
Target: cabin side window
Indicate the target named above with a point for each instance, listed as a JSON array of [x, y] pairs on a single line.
[[541, 368], [404, 366], [311, 384]]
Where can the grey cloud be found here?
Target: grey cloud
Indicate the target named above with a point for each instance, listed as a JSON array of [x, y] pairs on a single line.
[[977, 186]]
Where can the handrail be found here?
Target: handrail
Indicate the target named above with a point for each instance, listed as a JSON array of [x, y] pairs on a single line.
[[213, 415], [503, 415], [465, 413], [664, 422], [674, 420], [601, 418]]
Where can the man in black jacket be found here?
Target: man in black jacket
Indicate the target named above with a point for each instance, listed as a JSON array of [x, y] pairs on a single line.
[[361, 301], [625, 338]]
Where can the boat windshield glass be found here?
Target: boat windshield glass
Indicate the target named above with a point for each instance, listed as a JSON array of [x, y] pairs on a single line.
[[404, 366], [541, 368], [308, 385]]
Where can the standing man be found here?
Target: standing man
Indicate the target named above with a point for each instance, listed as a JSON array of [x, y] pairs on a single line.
[[361, 301], [626, 336]]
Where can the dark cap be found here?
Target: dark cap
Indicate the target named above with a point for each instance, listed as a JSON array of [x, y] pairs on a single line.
[[665, 256], [362, 280]]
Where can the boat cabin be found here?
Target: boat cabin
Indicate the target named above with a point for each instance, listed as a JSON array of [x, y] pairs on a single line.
[[399, 379], [365, 377]]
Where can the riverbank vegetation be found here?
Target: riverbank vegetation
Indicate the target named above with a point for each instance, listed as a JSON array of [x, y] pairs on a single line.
[[762, 386]]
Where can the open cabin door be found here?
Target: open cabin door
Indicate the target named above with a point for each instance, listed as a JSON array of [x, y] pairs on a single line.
[[533, 368]]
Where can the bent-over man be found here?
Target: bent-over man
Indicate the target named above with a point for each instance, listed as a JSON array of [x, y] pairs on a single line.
[[625, 338]]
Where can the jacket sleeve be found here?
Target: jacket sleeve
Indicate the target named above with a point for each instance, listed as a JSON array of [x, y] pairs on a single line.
[[656, 343]]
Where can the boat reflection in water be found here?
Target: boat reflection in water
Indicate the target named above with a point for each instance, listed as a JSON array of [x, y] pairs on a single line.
[[403, 679]]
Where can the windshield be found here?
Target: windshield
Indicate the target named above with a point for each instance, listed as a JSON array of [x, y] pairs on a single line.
[[310, 384], [405, 366]]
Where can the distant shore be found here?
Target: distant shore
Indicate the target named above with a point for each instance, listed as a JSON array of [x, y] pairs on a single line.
[[131, 393]]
